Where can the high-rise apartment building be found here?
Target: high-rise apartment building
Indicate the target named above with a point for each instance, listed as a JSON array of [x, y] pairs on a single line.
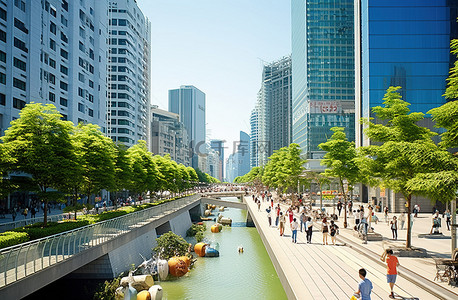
[[169, 136], [189, 102], [54, 52], [129, 68], [403, 43], [254, 139], [218, 147], [322, 71]]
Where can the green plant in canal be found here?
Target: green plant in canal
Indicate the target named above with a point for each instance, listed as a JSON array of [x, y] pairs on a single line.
[[170, 244], [107, 290]]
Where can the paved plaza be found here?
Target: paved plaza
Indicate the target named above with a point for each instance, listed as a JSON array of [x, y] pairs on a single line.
[[316, 271]]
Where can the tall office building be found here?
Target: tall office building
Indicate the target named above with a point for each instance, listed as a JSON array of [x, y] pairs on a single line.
[[401, 43], [54, 52], [129, 68], [169, 136], [189, 102], [218, 147], [238, 163], [322, 71], [407, 44], [271, 120]]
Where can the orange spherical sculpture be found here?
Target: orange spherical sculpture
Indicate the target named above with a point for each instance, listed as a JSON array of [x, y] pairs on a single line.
[[199, 248], [216, 228], [177, 267], [186, 260]]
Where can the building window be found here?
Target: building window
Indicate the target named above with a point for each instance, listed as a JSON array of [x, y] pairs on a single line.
[[52, 78], [3, 36], [81, 46], [2, 14], [64, 53], [80, 92], [52, 63], [113, 22], [91, 98], [52, 27], [90, 112], [65, 5], [91, 69], [19, 25], [18, 103], [63, 102], [20, 4], [19, 64], [63, 20], [64, 117], [91, 83], [52, 11], [2, 99], [52, 97], [19, 84], [81, 77], [2, 78], [63, 37], [63, 69], [81, 62], [52, 44], [80, 107], [64, 86], [18, 44], [2, 56], [122, 22]]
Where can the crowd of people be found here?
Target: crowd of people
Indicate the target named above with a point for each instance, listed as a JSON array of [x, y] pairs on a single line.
[[363, 218]]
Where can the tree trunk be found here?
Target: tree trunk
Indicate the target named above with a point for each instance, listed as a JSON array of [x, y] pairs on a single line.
[[45, 210], [409, 223], [345, 202]]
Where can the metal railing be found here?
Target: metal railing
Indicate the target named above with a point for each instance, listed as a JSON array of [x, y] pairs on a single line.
[[22, 260]]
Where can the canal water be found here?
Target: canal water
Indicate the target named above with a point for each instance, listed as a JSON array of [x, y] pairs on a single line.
[[249, 275]]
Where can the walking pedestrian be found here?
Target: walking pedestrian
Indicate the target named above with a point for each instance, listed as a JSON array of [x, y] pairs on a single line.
[[259, 205], [333, 229], [309, 228], [447, 218], [303, 219], [392, 263], [294, 226], [33, 211], [364, 286], [402, 220], [269, 215], [25, 212], [291, 215], [282, 223], [385, 210], [272, 202], [277, 210], [394, 228], [325, 230], [363, 229], [339, 206], [14, 213]]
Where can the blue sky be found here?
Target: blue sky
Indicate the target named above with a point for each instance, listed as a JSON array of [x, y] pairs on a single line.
[[217, 46]]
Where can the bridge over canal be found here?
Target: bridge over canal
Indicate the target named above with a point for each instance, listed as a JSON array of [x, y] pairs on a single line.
[[101, 250]]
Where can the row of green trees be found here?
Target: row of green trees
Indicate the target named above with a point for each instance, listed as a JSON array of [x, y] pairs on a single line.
[[58, 158], [403, 156]]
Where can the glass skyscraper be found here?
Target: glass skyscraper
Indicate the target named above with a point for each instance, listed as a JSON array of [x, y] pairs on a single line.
[[322, 71], [402, 43], [189, 102]]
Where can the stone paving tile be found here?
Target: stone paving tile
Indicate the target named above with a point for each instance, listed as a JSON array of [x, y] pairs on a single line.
[[324, 271]]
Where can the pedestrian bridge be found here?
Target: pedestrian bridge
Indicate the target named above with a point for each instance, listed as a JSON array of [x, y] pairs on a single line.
[[28, 267]]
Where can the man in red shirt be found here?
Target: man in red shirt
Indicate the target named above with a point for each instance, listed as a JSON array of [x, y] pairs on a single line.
[[391, 266]]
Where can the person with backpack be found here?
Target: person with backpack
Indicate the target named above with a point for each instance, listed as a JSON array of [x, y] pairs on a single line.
[[333, 231]]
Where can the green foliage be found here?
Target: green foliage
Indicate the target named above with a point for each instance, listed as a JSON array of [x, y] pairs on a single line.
[[147, 175], [11, 238], [197, 231], [405, 150], [255, 175], [284, 168], [107, 290], [37, 230], [39, 144], [170, 244]]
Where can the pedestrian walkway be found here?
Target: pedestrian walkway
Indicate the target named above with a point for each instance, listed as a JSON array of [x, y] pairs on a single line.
[[316, 271]]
